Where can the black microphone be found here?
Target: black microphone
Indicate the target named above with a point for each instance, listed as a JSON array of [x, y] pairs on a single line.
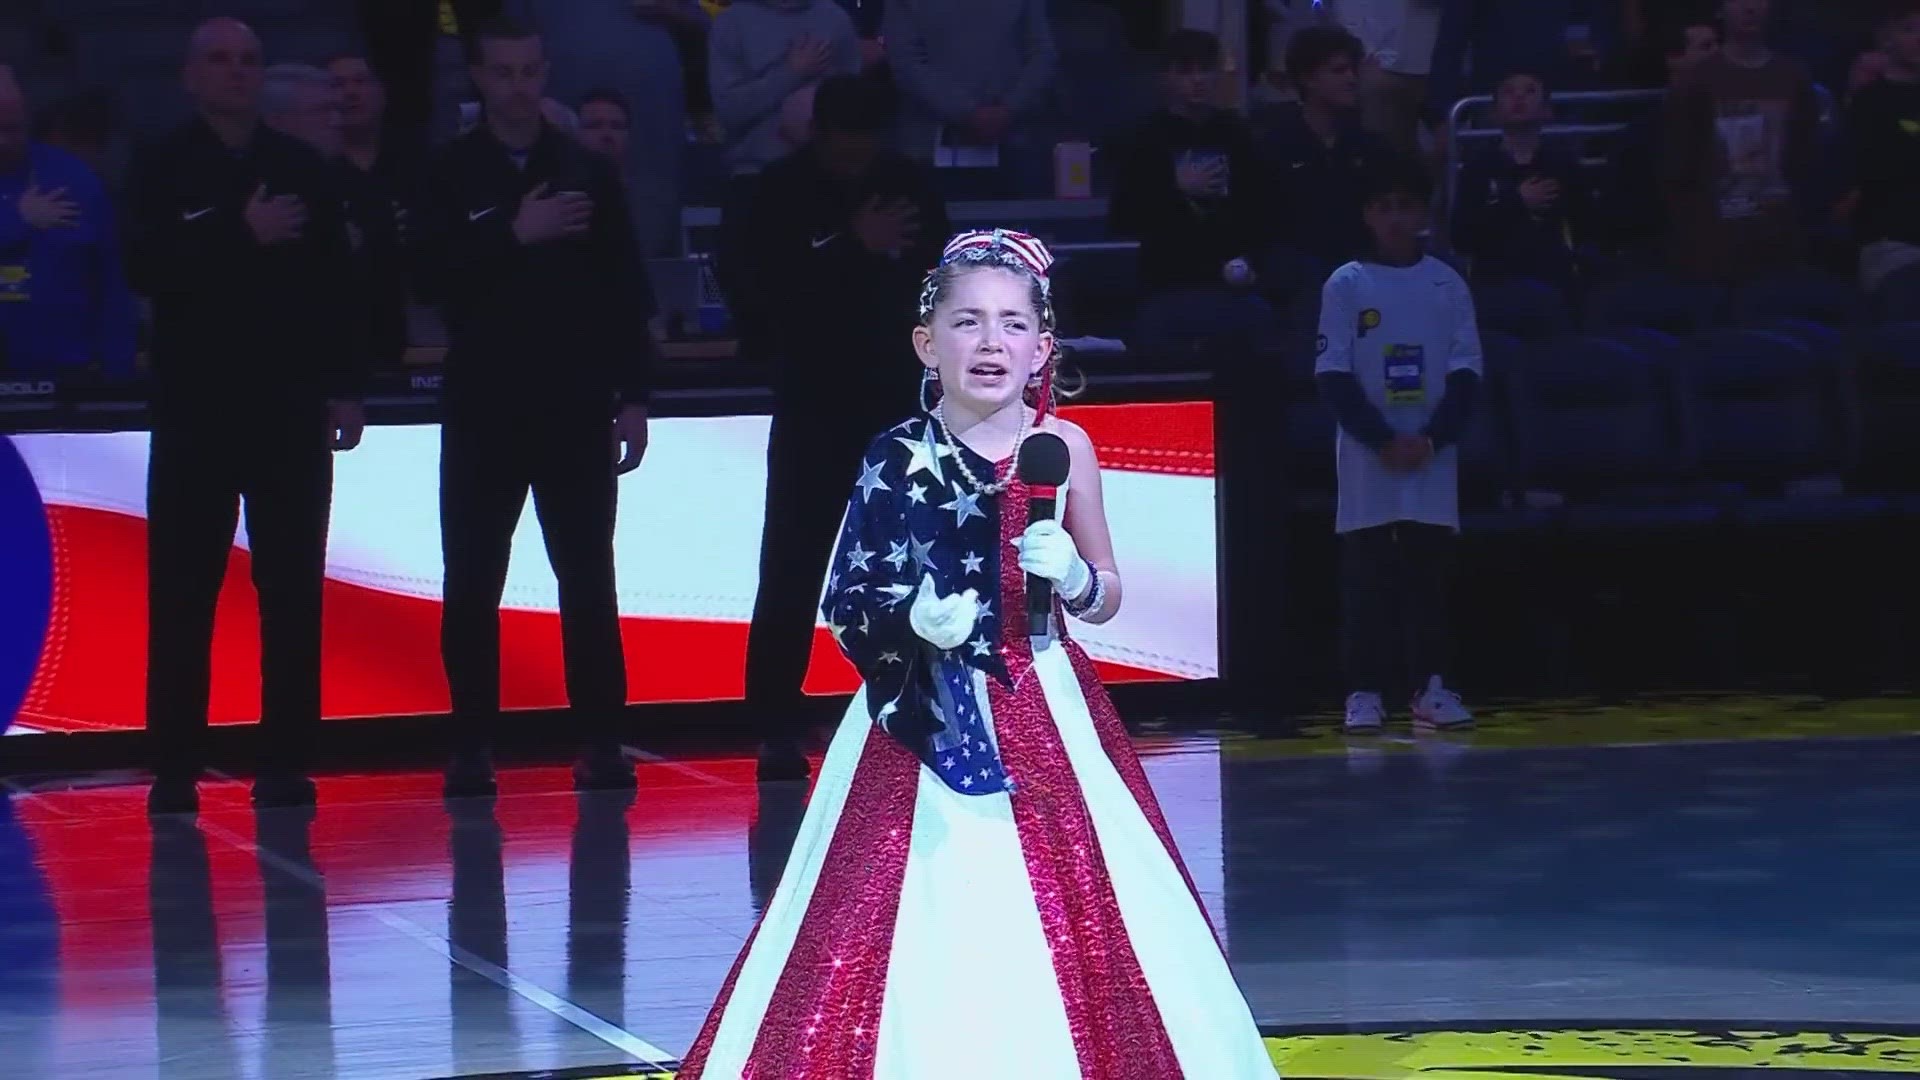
[[1043, 466]]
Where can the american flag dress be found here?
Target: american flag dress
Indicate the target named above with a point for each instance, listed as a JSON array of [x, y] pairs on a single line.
[[983, 881]]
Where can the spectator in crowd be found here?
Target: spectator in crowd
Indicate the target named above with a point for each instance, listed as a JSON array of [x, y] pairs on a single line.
[[845, 224], [1319, 153], [64, 303], [1521, 206], [1190, 187], [972, 76], [380, 172], [760, 52], [1883, 126], [631, 50], [300, 101], [1397, 37], [525, 242], [236, 234], [1739, 154], [1399, 363], [1637, 205], [605, 126]]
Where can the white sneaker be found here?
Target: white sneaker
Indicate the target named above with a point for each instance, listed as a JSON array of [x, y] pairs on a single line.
[[1366, 714], [1439, 709]]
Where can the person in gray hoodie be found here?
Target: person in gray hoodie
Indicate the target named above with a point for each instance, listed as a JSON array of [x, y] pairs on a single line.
[[969, 73], [759, 53]]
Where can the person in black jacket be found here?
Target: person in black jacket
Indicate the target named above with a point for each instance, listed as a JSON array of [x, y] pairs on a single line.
[[236, 235], [1320, 156], [526, 243], [1191, 188], [380, 172], [1521, 206], [838, 238]]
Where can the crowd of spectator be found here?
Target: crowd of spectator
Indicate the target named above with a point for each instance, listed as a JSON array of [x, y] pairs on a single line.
[[1743, 166], [1739, 170]]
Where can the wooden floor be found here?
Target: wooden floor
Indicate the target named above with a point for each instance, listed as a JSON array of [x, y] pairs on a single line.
[[1390, 885]]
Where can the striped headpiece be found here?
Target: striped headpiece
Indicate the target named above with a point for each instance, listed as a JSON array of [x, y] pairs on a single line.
[[1027, 248]]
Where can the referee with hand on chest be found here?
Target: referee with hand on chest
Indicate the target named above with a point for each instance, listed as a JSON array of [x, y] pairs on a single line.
[[527, 244], [236, 234]]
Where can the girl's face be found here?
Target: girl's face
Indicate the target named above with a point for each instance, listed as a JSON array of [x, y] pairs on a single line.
[[984, 340]]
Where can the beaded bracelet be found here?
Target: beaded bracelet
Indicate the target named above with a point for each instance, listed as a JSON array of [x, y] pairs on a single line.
[[1091, 599]]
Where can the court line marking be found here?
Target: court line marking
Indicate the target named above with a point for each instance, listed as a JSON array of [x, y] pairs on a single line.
[[648, 757], [613, 1035]]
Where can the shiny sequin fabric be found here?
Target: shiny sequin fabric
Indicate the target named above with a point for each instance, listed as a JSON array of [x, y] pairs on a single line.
[[920, 928], [1117, 1030]]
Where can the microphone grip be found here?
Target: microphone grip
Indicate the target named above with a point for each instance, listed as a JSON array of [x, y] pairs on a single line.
[[1041, 506]]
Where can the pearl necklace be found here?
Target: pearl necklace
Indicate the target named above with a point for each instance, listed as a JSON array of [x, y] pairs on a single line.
[[960, 457]]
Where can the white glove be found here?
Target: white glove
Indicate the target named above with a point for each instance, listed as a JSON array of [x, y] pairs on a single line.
[[945, 622], [1047, 550]]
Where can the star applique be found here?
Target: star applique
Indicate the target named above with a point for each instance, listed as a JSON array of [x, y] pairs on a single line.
[[927, 452], [870, 481], [965, 504], [922, 555], [986, 609], [889, 657], [917, 493], [857, 558], [896, 594], [839, 633], [981, 646], [887, 710], [896, 554], [971, 563]]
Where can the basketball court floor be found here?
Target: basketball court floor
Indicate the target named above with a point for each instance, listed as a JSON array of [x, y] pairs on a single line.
[[1632, 889]]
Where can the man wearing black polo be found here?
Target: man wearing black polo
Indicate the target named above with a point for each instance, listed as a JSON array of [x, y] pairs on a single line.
[[527, 244], [235, 233]]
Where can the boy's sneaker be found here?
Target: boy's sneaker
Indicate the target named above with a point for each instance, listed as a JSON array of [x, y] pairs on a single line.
[[1366, 714], [1439, 709]]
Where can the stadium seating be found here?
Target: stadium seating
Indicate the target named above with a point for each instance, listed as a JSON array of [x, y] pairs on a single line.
[[1803, 295], [1654, 301], [1521, 306]]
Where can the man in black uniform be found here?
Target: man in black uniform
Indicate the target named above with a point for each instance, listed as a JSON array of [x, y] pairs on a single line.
[[235, 233], [526, 242], [381, 174], [840, 233]]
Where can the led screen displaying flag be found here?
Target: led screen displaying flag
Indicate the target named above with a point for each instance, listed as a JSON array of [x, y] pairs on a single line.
[[73, 534]]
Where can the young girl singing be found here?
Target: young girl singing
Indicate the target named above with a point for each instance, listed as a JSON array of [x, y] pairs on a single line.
[[984, 881]]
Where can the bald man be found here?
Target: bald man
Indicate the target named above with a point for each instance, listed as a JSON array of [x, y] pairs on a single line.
[[237, 234]]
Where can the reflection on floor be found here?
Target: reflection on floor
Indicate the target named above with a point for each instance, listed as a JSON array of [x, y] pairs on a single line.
[[1391, 907]]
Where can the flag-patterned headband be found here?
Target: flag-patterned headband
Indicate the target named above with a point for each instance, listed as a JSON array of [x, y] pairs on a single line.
[[1028, 249]]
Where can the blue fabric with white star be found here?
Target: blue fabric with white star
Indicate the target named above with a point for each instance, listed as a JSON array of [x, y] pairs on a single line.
[[912, 513]]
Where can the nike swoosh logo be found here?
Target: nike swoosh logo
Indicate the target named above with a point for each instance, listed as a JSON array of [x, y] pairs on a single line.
[[195, 215], [823, 241], [476, 215]]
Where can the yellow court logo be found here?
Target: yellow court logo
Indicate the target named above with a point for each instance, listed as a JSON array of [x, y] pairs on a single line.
[[1550, 1053]]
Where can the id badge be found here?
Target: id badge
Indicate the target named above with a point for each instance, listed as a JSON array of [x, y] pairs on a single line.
[[1406, 374]]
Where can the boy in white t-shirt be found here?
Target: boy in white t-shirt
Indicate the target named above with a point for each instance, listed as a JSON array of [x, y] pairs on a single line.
[[1399, 363]]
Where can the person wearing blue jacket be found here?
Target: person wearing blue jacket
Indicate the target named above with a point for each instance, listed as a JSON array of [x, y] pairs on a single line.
[[65, 307]]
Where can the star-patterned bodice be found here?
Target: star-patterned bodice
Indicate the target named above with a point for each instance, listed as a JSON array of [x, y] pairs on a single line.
[[913, 514]]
